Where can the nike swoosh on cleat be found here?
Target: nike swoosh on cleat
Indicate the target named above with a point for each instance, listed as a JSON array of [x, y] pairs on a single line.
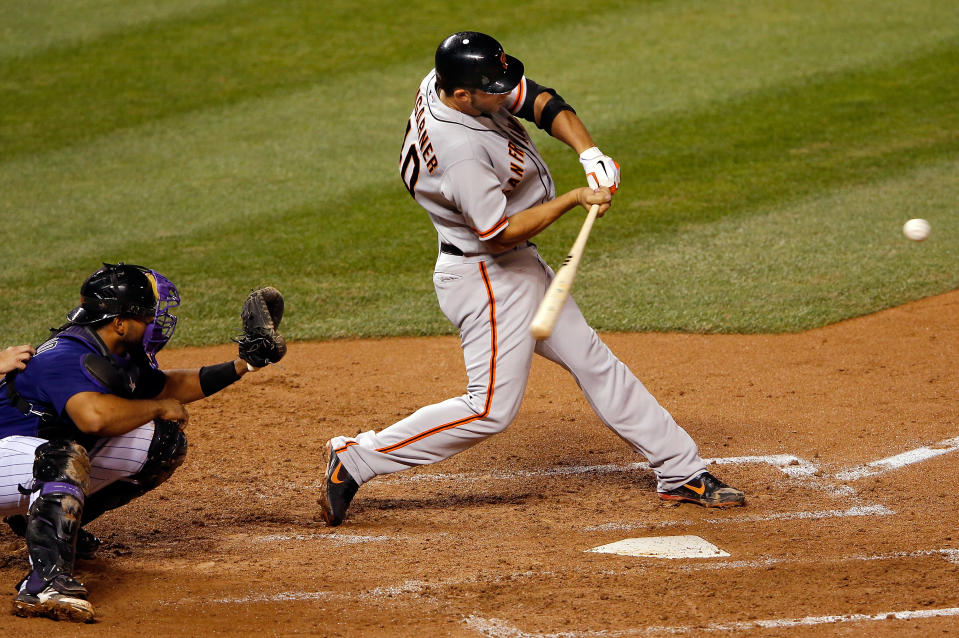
[[699, 490], [335, 472]]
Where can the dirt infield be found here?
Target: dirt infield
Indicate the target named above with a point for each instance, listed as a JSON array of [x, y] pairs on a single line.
[[845, 440]]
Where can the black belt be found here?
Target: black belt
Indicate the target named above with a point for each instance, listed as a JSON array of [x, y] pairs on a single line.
[[450, 249]]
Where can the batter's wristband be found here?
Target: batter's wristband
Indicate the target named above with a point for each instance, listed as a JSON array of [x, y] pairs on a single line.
[[216, 377]]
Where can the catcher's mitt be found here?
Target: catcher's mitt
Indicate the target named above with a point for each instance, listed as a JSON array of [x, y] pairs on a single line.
[[261, 314]]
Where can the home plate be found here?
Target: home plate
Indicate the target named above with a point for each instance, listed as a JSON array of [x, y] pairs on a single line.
[[662, 547]]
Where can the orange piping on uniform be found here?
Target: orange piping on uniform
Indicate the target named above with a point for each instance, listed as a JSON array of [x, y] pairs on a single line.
[[519, 95], [492, 231], [340, 449], [489, 389]]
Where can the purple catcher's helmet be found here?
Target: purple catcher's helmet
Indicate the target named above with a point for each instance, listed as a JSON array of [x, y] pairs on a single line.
[[128, 290]]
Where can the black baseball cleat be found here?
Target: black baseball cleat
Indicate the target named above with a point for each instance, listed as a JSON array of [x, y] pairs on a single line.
[[338, 491], [63, 598], [706, 490], [87, 543]]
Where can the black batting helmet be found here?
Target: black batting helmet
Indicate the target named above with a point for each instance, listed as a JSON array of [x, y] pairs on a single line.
[[472, 60], [116, 290]]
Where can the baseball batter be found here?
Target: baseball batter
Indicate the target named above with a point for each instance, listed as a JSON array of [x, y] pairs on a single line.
[[472, 166]]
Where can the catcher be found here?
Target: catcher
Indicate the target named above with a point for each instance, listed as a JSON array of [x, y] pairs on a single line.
[[91, 422]]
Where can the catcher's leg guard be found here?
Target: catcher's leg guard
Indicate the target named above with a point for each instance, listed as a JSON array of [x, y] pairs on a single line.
[[87, 543], [166, 454], [61, 472]]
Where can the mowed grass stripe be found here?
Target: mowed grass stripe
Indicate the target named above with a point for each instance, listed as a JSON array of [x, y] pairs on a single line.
[[359, 264], [224, 54], [218, 56], [786, 267], [30, 26], [221, 197], [778, 145]]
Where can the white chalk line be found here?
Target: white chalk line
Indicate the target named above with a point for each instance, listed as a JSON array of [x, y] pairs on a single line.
[[899, 460], [497, 628], [339, 539], [792, 466], [855, 511], [420, 589], [787, 463], [951, 555]]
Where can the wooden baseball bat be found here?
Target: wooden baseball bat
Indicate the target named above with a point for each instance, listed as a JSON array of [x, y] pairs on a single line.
[[545, 318]]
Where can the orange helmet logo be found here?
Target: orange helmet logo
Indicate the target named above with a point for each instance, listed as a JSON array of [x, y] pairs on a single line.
[[502, 59]]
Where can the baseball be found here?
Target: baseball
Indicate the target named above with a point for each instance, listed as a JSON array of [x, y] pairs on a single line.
[[916, 229]]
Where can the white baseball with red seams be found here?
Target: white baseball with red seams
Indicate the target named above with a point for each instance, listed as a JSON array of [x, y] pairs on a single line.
[[471, 173]]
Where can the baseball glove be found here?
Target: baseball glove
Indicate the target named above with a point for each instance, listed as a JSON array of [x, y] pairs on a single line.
[[262, 312]]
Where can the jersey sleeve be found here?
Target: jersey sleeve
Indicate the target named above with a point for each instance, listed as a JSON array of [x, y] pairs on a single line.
[[518, 97], [59, 376], [477, 193]]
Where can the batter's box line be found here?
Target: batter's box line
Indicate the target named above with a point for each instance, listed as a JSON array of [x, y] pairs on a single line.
[[790, 465], [498, 628], [917, 455], [950, 555], [858, 510]]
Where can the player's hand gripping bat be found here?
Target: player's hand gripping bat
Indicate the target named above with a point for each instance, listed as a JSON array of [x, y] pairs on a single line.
[[545, 318]]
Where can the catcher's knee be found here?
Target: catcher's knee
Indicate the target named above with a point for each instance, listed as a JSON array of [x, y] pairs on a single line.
[[167, 452], [61, 461]]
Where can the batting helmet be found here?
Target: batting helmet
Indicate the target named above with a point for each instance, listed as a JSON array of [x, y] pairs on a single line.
[[116, 290], [471, 60]]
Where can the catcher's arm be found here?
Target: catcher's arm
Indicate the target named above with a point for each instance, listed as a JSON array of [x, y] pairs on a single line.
[[187, 386]]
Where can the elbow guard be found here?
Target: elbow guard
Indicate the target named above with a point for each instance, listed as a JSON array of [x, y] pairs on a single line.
[[554, 107]]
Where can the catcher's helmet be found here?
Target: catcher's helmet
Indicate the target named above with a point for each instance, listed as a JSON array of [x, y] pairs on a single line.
[[472, 60], [116, 290]]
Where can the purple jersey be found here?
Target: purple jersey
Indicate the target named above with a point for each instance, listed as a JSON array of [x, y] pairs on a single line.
[[54, 375]]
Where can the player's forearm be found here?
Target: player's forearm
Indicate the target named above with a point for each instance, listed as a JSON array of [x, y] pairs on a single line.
[[110, 415], [569, 129], [187, 386], [528, 223]]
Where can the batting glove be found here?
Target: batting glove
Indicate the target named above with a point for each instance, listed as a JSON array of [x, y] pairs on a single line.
[[601, 170]]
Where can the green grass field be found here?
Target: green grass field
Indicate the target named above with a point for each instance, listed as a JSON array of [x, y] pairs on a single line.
[[771, 150]]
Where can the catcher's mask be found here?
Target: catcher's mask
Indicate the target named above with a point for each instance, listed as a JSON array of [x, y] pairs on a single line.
[[128, 290], [160, 330]]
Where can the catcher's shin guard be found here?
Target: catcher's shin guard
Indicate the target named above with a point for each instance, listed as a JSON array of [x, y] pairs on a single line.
[[61, 472], [166, 454], [87, 543]]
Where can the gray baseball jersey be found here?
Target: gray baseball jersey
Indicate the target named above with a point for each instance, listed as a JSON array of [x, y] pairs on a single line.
[[471, 174]]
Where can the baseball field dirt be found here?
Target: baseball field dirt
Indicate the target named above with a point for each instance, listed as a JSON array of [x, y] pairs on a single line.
[[845, 440]]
